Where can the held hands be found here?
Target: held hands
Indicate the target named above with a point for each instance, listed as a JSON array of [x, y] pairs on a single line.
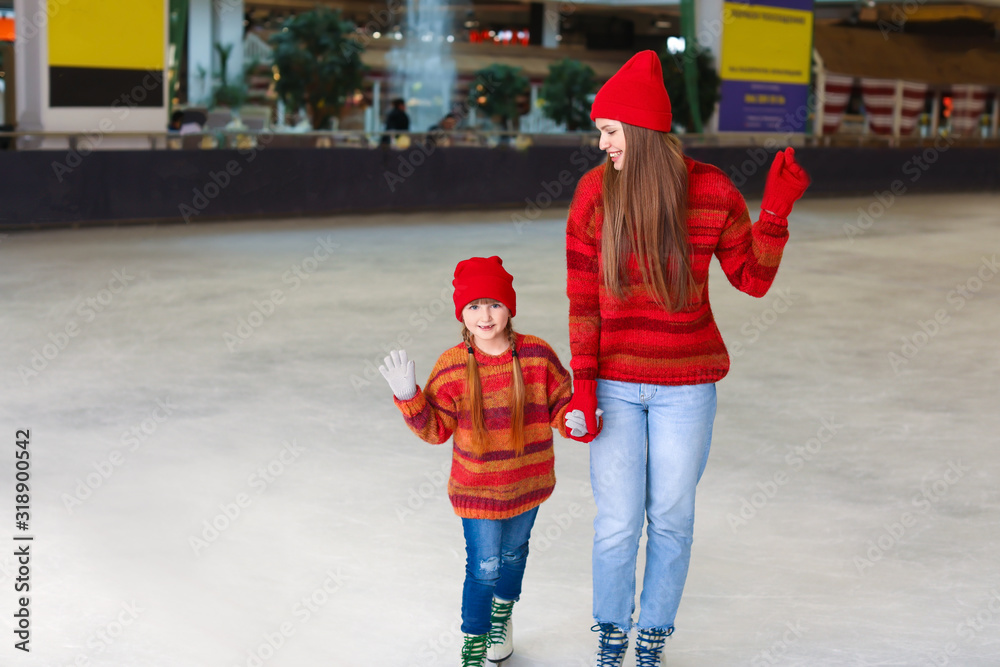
[[577, 423], [786, 183], [584, 401], [400, 373]]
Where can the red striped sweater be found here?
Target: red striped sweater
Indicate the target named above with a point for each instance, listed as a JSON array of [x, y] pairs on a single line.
[[635, 340], [500, 484]]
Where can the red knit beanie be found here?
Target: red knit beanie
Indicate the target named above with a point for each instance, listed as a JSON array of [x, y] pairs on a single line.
[[635, 95], [483, 278]]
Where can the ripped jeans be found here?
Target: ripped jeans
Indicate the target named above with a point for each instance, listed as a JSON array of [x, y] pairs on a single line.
[[496, 553]]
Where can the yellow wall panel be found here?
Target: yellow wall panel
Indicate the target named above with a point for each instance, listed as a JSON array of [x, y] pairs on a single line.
[[113, 34], [762, 43]]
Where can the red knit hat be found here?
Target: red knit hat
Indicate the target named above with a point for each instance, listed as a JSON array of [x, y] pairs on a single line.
[[483, 278], [635, 94]]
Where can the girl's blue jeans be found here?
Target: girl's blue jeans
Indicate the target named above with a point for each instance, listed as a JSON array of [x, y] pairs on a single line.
[[496, 553], [645, 465]]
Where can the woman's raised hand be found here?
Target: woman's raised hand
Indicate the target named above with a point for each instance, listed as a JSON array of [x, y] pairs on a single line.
[[400, 373], [786, 183]]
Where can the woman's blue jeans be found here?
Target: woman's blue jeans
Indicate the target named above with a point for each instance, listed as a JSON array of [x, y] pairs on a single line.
[[645, 464], [496, 553]]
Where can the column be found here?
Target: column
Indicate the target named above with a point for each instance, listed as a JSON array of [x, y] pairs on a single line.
[[31, 62], [708, 26], [200, 56], [897, 109], [228, 29], [550, 24]]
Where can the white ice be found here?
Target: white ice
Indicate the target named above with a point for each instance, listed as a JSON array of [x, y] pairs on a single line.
[[848, 515]]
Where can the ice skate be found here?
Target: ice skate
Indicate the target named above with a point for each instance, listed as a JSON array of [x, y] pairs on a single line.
[[611, 647], [474, 650], [501, 631], [649, 647]]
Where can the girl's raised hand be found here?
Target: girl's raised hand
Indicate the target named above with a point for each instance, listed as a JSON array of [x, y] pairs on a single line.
[[401, 375]]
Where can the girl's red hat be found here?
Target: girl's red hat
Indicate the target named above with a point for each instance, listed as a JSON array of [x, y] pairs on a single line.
[[483, 278], [635, 95]]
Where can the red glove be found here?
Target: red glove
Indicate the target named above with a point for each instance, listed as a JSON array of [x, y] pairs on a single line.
[[786, 183], [585, 400]]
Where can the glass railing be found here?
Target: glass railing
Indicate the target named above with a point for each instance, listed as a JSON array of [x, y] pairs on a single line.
[[85, 142]]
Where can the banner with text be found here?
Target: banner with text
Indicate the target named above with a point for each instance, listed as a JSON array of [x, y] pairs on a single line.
[[765, 66]]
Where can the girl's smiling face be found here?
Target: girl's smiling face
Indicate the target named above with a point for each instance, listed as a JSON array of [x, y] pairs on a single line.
[[487, 320], [612, 140]]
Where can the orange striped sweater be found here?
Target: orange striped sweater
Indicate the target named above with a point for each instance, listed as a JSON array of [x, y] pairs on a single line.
[[634, 339], [500, 484]]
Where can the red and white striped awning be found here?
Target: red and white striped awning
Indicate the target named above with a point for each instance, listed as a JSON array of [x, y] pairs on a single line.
[[836, 94], [967, 105], [880, 104]]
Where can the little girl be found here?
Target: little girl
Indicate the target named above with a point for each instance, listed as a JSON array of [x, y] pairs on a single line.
[[501, 394]]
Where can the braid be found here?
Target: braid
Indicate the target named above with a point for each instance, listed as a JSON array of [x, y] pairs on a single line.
[[474, 397], [517, 393], [467, 339]]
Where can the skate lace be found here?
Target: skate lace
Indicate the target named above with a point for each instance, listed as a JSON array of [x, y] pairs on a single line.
[[498, 621], [474, 650], [649, 647], [612, 645]]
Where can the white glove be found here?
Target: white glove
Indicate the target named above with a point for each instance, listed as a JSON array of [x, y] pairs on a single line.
[[400, 374], [577, 423]]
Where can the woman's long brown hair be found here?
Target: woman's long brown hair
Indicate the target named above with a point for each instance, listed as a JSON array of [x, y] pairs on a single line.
[[474, 396], [645, 216]]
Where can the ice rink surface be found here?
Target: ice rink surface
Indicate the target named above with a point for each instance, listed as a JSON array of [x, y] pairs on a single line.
[[219, 477]]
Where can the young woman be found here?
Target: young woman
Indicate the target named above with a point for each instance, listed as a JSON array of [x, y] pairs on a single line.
[[500, 394], [642, 230]]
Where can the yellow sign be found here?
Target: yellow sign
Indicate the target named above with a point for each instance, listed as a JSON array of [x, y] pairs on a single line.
[[108, 34], [770, 44]]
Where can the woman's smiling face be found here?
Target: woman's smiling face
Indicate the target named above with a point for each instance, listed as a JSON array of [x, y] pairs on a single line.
[[612, 140]]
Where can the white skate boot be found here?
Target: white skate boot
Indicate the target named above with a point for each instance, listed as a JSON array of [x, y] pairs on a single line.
[[501, 631]]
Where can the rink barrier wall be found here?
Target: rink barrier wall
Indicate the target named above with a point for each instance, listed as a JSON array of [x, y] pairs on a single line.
[[58, 189]]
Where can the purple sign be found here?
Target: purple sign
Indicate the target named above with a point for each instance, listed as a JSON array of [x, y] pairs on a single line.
[[752, 106], [804, 5]]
